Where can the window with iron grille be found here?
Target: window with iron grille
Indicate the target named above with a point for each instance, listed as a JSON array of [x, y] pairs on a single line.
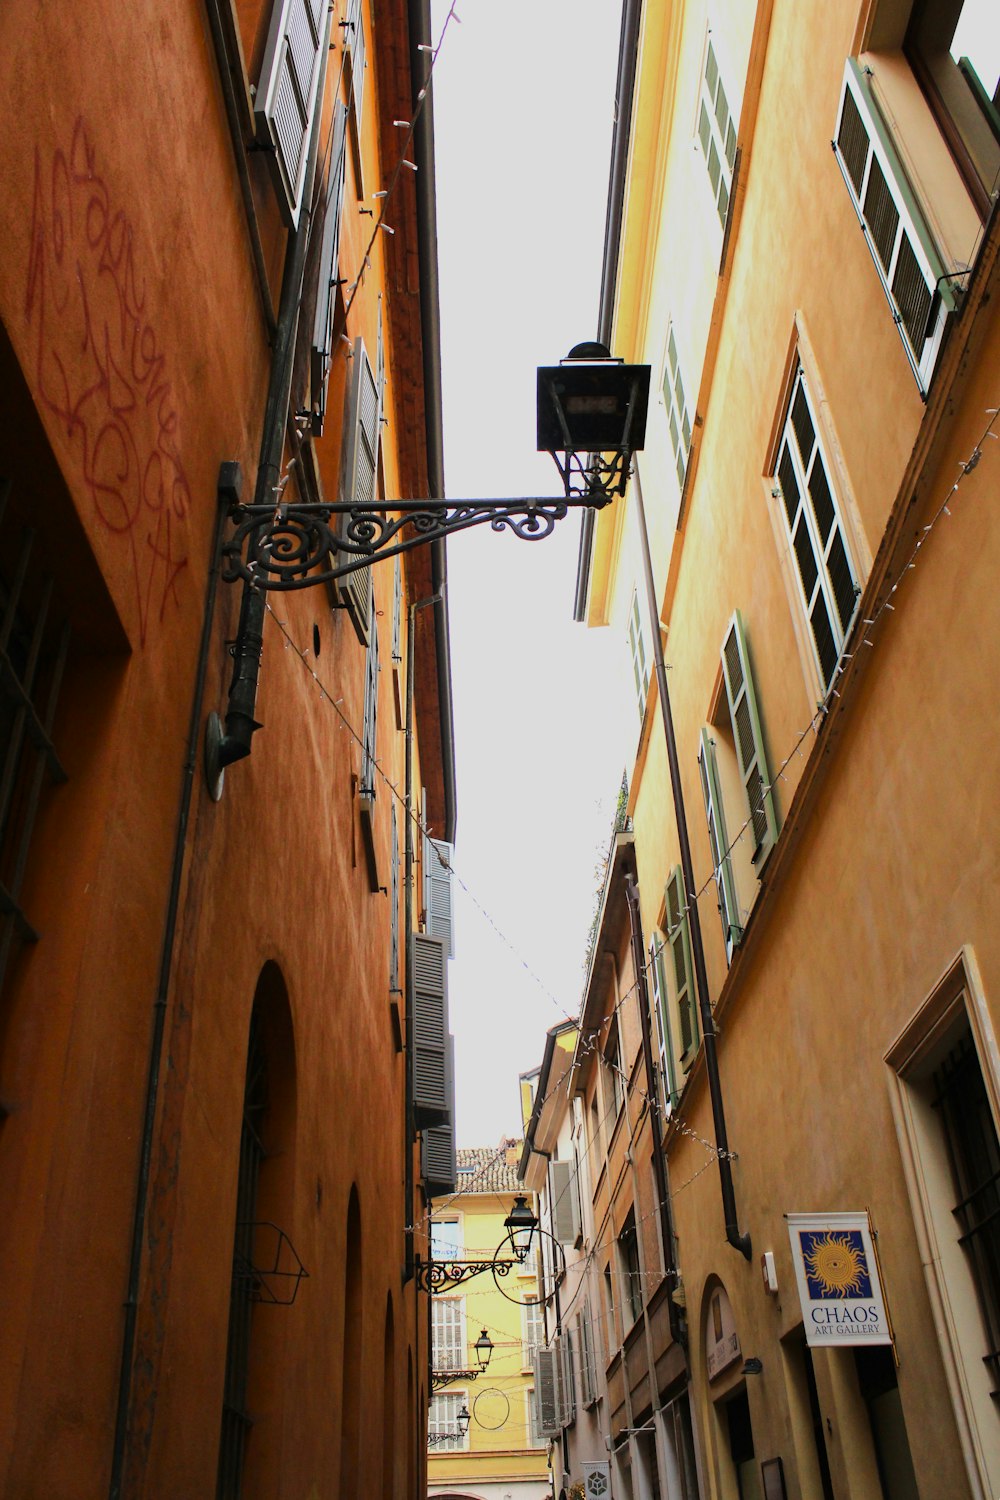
[[34, 644], [967, 1120], [826, 576]]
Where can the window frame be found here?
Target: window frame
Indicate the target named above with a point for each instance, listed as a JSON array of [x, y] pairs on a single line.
[[639, 655], [804, 515], [659, 995], [718, 843], [957, 1000], [450, 1345], [452, 1401], [911, 225]]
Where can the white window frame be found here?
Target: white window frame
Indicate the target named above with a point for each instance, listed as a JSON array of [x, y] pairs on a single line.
[[442, 1416], [717, 142], [451, 1221], [822, 590], [639, 654], [911, 228]]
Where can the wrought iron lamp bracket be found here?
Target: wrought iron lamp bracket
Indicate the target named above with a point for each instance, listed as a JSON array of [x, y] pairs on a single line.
[[445, 1377], [296, 546], [445, 1275]]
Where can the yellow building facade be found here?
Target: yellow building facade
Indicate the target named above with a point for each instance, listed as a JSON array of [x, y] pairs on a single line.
[[502, 1454], [803, 246]]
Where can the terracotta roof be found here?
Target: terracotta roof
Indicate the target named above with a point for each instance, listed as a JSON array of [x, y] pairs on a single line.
[[490, 1169]]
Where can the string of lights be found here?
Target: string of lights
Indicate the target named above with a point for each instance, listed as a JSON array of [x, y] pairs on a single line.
[[867, 625]]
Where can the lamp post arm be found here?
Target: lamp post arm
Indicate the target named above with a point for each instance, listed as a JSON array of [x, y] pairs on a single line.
[[297, 546]]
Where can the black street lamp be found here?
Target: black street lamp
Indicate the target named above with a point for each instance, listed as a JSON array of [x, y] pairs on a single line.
[[520, 1225], [591, 418]]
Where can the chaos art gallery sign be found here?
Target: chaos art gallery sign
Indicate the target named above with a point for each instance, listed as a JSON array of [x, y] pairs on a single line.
[[837, 1272]]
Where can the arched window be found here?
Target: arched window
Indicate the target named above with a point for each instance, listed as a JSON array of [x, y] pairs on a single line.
[[350, 1385], [264, 1210], [389, 1405]]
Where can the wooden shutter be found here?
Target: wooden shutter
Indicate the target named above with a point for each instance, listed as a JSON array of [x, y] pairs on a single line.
[[429, 999], [394, 901], [322, 337], [546, 1393], [749, 737], [566, 1379], [438, 1160], [287, 94], [359, 468], [906, 258], [438, 903], [679, 939], [721, 862], [367, 785], [661, 1020], [354, 57], [565, 1214]]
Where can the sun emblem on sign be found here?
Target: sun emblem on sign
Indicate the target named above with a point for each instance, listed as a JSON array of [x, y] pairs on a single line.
[[836, 1262]]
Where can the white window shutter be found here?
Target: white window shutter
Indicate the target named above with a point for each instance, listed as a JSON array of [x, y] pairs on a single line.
[[565, 1205], [721, 861], [749, 737], [287, 93], [359, 468], [321, 351], [546, 1394], [428, 998]]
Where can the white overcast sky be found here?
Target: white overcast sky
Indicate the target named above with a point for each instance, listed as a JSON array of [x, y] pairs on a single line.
[[523, 109]]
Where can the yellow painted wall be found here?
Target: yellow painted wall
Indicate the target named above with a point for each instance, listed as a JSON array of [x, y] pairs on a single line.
[[498, 1399]]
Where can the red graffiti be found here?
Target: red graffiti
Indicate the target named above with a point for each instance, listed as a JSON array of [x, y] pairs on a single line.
[[101, 371]]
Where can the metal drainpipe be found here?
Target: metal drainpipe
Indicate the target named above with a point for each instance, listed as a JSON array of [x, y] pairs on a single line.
[[191, 763], [740, 1242], [659, 1165], [240, 721], [409, 1127]]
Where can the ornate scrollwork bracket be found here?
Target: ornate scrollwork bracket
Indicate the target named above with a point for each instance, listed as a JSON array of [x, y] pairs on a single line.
[[445, 1275], [295, 546]]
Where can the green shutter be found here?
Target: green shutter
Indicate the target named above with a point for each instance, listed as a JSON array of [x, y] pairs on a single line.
[[721, 862], [749, 738], [663, 1029], [679, 938]]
